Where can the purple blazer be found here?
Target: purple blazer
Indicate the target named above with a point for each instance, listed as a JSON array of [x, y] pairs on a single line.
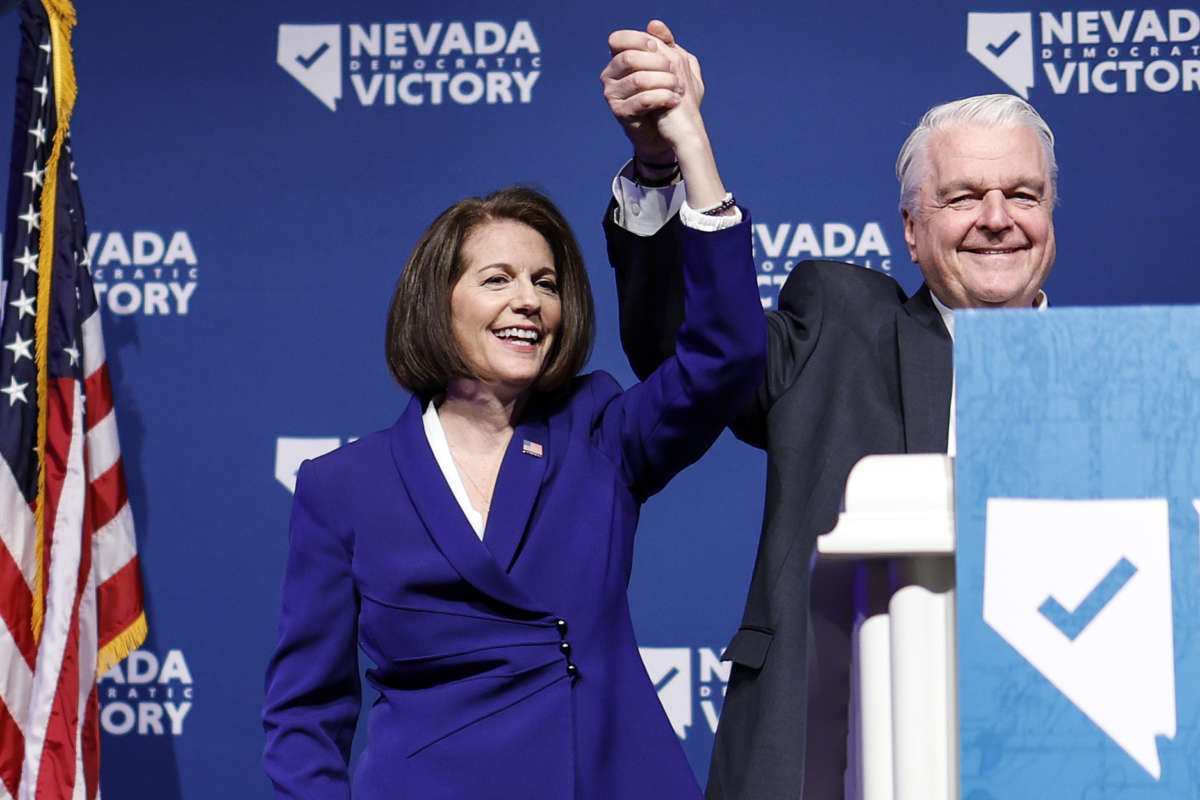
[[505, 668]]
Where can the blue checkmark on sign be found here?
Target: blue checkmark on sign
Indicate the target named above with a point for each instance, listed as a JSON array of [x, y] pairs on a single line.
[[665, 679], [999, 50], [1072, 623], [308, 61]]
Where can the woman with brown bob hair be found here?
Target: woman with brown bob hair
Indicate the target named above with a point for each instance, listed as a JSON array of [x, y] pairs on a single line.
[[479, 550], [422, 353]]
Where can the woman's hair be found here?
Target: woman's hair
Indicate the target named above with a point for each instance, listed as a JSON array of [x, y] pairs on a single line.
[[423, 353]]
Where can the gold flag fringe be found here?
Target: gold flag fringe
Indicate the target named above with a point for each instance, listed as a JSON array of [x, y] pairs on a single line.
[[61, 15], [122, 645]]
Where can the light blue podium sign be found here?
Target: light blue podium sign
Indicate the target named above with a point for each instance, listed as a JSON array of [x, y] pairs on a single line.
[[1077, 478]]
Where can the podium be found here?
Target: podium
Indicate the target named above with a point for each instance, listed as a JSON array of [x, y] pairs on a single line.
[[898, 523], [1029, 613]]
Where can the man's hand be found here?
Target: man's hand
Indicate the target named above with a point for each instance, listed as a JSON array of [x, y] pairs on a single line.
[[654, 89]]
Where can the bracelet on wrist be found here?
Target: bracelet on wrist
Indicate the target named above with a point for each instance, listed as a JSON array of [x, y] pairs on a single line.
[[655, 183], [673, 164], [718, 209]]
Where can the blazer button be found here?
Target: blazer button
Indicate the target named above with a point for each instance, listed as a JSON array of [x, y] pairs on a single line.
[[561, 625], [572, 670], [565, 648]]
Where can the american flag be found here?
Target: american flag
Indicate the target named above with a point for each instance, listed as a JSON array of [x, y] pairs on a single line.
[[70, 592]]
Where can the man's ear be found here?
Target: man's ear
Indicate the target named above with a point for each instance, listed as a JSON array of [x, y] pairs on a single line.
[[910, 236]]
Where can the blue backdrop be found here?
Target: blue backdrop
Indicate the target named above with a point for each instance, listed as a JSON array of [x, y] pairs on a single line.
[[249, 219]]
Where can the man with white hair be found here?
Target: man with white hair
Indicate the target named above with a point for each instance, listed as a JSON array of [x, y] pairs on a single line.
[[855, 367]]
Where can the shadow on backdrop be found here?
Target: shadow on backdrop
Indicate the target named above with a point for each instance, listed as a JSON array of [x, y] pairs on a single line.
[[133, 764]]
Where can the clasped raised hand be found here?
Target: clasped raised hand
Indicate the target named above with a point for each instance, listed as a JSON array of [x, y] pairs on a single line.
[[654, 89]]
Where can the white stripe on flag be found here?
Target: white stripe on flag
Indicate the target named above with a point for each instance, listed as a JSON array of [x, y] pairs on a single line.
[[65, 549], [16, 680], [93, 344], [88, 655], [113, 545], [103, 446], [18, 528]]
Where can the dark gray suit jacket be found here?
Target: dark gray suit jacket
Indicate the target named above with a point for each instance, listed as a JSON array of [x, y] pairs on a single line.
[[854, 367]]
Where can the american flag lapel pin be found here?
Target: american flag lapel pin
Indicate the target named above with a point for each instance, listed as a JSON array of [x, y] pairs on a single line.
[[532, 448]]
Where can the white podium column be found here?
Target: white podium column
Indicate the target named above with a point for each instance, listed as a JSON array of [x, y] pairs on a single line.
[[899, 512]]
